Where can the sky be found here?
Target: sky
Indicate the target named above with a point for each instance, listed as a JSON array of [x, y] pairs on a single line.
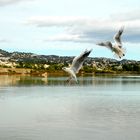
[[68, 27]]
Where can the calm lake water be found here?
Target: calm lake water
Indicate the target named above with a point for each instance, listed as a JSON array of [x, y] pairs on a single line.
[[97, 108]]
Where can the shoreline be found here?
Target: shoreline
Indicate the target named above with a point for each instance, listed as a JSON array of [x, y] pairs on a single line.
[[45, 73]]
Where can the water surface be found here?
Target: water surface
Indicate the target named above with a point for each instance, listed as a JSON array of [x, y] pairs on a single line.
[[97, 108]]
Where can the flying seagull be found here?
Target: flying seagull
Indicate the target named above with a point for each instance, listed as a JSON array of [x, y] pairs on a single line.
[[76, 65], [117, 48]]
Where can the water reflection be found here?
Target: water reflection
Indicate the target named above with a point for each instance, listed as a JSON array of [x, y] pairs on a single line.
[[98, 108], [7, 80]]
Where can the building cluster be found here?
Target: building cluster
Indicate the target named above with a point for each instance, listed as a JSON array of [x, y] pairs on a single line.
[[30, 60]]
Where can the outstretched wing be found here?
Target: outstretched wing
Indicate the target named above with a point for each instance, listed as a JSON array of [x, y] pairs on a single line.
[[79, 60], [117, 37], [107, 44]]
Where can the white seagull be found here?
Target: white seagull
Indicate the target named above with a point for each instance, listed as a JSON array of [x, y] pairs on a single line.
[[117, 47], [77, 64]]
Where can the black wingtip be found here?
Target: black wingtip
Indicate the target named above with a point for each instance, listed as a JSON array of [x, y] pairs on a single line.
[[121, 29], [87, 52], [90, 50]]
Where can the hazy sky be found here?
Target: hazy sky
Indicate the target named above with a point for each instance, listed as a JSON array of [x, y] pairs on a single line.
[[67, 27]]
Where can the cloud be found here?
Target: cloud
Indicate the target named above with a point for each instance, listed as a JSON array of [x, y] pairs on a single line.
[[59, 21], [127, 16], [69, 38], [4, 40], [88, 30], [9, 2]]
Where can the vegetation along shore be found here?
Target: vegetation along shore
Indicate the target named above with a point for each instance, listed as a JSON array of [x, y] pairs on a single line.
[[41, 65]]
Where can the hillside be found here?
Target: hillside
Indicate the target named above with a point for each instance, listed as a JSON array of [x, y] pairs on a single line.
[[55, 63]]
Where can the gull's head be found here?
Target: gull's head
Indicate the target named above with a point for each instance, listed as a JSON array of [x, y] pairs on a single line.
[[66, 69]]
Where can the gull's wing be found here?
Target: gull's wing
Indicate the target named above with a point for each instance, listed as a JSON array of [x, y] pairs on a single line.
[[79, 60], [107, 44], [117, 37]]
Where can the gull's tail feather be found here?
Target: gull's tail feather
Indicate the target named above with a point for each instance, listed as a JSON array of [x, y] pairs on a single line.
[[72, 80], [116, 56], [124, 50], [120, 54]]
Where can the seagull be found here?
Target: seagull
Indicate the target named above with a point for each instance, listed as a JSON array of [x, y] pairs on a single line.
[[117, 47], [76, 65]]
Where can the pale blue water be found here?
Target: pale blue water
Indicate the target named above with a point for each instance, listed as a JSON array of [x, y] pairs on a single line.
[[97, 108]]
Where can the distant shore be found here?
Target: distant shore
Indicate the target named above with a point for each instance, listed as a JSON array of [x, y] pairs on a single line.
[[45, 73], [20, 63]]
